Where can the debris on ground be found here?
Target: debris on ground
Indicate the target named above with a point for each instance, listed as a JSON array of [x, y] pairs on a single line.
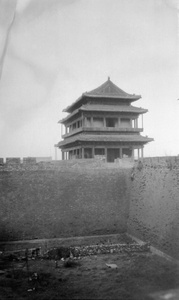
[[71, 263], [91, 277], [79, 251], [112, 266], [85, 271], [31, 290]]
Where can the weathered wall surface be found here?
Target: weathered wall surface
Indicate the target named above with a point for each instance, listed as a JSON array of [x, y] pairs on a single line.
[[62, 199], [86, 197], [154, 204]]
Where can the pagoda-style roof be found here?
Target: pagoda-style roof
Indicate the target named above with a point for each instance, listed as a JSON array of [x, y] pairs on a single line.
[[107, 90], [110, 90], [106, 108], [105, 138]]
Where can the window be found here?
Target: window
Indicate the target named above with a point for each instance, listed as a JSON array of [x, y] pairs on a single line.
[[87, 152], [111, 122], [99, 151], [79, 124], [126, 152]]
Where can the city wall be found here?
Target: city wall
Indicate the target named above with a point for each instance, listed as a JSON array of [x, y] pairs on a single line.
[[154, 203], [62, 199], [87, 197]]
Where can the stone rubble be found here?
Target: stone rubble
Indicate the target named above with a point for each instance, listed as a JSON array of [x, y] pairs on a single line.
[[107, 249], [75, 252]]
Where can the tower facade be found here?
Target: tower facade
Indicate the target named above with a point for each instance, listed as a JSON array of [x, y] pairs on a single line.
[[103, 124]]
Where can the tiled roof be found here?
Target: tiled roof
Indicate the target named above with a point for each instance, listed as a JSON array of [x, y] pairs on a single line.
[[113, 108], [105, 138], [106, 108], [69, 116], [106, 90], [109, 89]]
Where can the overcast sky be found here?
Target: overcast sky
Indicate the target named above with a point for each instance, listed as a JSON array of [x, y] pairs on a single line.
[[58, 49]]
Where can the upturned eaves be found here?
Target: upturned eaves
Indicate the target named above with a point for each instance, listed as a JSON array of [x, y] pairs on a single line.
[[107, 90]]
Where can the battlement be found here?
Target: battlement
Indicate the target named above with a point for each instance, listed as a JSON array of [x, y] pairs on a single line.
[[26, 163], [35, 164]]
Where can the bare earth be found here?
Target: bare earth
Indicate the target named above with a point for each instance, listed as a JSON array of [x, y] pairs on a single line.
[[137, 275]]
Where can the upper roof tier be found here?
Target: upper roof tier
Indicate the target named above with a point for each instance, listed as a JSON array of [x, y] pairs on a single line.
[[107, 90]]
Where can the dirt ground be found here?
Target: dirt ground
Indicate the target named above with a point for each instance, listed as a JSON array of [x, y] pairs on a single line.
[[136, 276]]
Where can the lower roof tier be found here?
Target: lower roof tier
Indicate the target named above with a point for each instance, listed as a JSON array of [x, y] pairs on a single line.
[[104, 138]]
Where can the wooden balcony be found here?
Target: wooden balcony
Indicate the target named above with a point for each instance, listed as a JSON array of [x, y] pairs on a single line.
[[102, 129]]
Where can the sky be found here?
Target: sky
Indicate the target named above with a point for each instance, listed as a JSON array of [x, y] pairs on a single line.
[[52, 51]]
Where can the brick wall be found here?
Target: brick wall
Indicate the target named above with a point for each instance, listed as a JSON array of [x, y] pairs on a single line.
[[61, 199], [154, 203]]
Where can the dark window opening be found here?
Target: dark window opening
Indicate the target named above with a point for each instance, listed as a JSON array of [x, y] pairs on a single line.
[[111, 122], [99, 151], [87, 152], [126, 152], [112, 154]]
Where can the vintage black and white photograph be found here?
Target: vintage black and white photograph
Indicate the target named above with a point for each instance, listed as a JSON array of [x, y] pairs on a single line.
[[89, 149]]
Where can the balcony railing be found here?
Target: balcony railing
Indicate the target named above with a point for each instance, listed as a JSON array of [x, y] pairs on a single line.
[[101, 129]]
